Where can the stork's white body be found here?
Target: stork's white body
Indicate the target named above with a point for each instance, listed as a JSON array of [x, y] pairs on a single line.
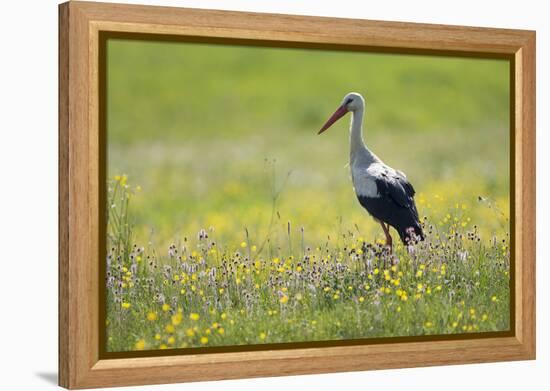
[[365, 166]]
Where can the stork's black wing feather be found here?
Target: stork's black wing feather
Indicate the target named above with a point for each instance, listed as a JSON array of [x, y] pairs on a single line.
[[397, 187], [395, 205]]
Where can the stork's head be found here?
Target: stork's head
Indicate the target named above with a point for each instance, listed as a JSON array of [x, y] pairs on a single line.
[[351, 102]]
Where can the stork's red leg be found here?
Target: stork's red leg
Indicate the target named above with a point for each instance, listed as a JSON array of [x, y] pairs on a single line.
[[388, 236]]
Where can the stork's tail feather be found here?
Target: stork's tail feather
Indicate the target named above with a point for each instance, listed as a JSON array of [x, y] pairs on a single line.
[[412, 235]]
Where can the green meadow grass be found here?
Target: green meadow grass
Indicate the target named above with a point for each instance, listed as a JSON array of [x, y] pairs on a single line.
[[201, 292], [225, 139]]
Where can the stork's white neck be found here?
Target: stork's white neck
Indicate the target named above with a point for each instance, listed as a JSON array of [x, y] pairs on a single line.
[[359, 153]]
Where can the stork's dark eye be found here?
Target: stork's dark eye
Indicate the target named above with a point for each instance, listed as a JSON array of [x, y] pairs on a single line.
[[349, 101]]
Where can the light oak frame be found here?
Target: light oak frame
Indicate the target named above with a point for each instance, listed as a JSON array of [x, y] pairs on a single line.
[[80, 24]]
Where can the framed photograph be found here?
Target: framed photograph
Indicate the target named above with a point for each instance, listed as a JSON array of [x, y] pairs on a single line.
[[247, 195]]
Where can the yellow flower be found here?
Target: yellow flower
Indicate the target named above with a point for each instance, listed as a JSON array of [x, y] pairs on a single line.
[[283, 299], [204, 340], [126, 305], [176, 319], [253, 248], [221, 330], [484, 317], [140, 345], [163, 346], [171, 341], [494, 298], [157, 337], [336, 296], [194, 316], [419, 273], [262, 336], [223, 315], [221, 290], [361, 299], [152, 316], [169, 328], [376, 271], [243, 245], [190, 332], [428, 324], [166, 307], [117, 178]]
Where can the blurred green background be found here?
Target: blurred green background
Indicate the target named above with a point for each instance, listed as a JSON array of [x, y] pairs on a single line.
[[209, 131]]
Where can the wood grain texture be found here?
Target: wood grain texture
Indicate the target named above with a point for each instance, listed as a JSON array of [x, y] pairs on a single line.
[[63, 176], [80, 24], [526, 213]]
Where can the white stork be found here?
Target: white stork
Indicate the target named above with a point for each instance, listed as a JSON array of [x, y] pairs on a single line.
[[383, 191]]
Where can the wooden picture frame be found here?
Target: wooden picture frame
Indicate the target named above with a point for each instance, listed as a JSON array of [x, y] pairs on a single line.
[[81, 25]]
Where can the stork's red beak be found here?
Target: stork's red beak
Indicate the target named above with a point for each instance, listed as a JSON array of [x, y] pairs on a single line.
[[339, 113]]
